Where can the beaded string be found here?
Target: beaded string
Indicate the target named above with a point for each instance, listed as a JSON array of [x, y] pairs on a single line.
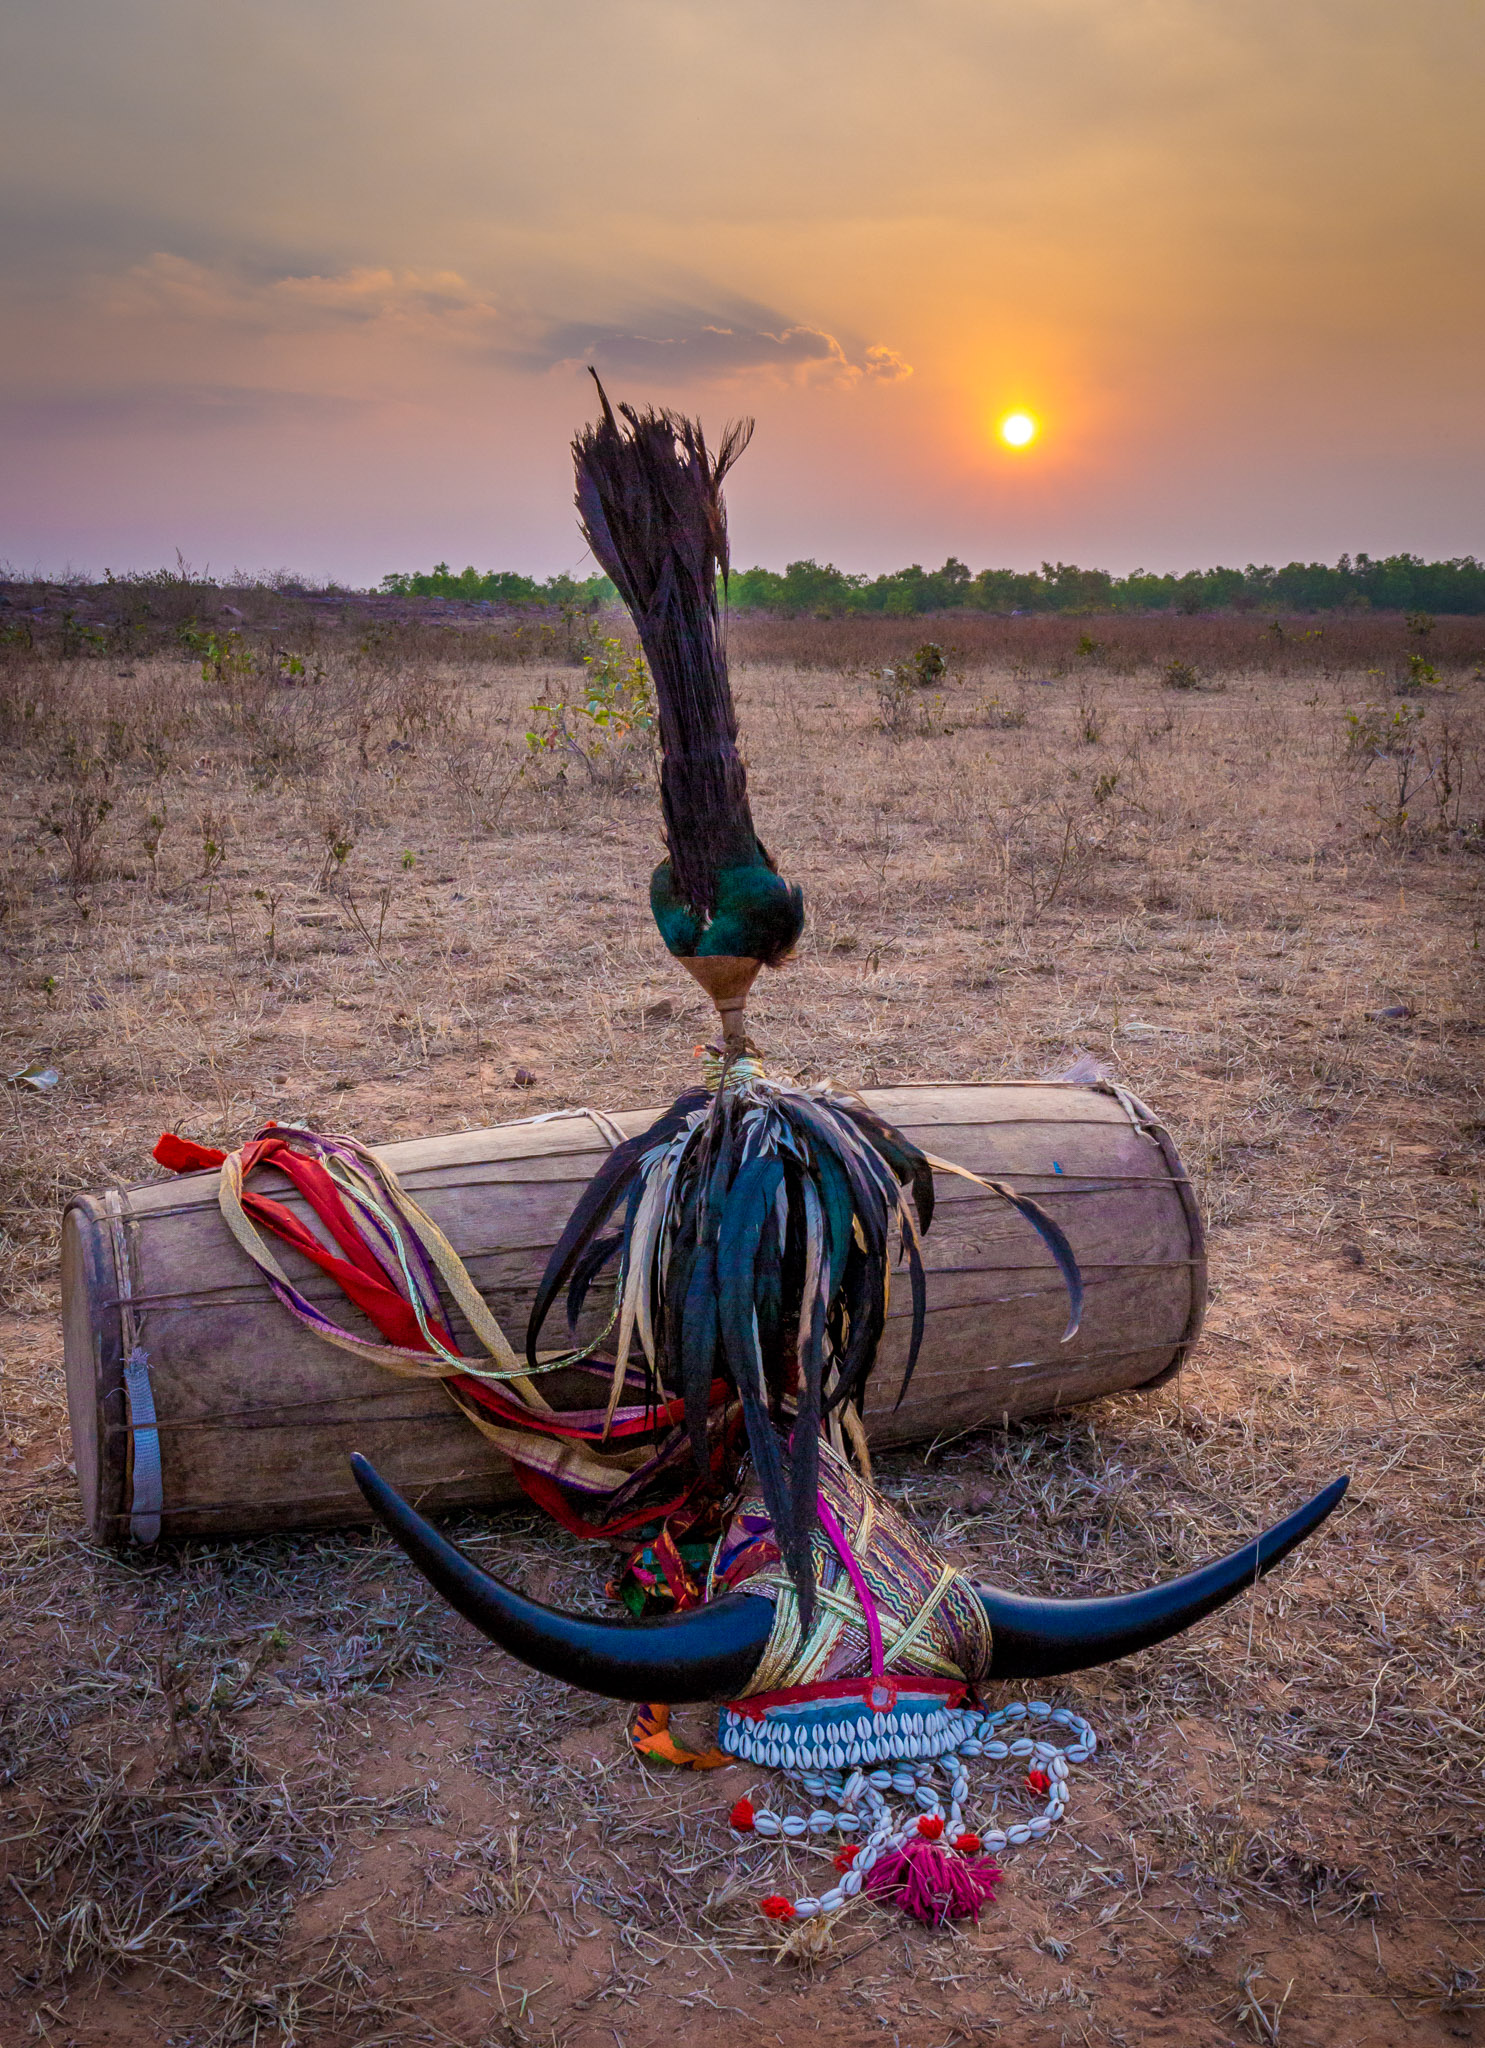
[[857, 1806]]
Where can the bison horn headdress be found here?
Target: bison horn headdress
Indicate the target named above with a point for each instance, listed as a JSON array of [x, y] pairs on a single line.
[[718, 1650], [753, 1228]]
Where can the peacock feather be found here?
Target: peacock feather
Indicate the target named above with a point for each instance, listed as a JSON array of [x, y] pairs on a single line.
[[649, 494]]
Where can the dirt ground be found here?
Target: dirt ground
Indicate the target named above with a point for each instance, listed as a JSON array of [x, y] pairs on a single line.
[[272, 1792]]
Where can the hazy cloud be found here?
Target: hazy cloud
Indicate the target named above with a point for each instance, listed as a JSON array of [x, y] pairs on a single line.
[[166, 409], [669, 344], [689, 344], [173, 288], [1233, 259]]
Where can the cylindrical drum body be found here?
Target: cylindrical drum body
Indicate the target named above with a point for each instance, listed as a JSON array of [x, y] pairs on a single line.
[[254, 1415]]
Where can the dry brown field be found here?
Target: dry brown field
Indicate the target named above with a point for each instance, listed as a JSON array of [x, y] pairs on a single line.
[[273, 1792]]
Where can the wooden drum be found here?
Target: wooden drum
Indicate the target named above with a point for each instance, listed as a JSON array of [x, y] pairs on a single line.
[[255, 1414]]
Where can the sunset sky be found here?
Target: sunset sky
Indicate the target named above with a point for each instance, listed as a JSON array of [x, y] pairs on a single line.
[[311, 286]]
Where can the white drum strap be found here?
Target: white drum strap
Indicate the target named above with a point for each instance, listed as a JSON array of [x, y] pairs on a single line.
[[1132, 1107], [147, 1495], [608, 1130]]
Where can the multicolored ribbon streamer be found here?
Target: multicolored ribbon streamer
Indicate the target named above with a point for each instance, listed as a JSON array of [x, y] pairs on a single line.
[[390, 1259]]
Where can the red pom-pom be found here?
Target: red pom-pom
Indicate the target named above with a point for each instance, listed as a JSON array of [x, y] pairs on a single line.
[[777, 1907], [741, 1816], [1037, 1781], [969, 1844], [930, 1826], [847, 1856]]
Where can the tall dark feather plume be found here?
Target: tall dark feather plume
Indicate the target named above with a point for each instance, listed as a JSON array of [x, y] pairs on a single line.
[[649, 495]]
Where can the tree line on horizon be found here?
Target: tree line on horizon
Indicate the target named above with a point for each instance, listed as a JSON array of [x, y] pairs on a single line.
[[808, 588]]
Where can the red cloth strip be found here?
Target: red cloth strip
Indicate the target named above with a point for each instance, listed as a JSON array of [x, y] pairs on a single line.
[[756, 1705], [360, 1278], [184, 1155], [545, 1492], [651, 1423]]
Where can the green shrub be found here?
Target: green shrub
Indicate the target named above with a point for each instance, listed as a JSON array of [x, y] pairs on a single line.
[[611, 730]]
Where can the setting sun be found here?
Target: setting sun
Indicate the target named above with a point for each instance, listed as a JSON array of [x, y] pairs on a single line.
[[1018, 429]]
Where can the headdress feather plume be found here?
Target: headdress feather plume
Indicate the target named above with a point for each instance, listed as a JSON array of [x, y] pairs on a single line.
[[649, 494]]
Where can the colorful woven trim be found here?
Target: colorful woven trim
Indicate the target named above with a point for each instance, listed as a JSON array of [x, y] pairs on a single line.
[[886, 1607]]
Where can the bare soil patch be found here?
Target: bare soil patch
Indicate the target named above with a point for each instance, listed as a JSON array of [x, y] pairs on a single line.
[[273, 1792]]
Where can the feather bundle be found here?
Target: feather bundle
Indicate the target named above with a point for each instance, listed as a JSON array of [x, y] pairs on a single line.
[[757, 1243], [649, 495]]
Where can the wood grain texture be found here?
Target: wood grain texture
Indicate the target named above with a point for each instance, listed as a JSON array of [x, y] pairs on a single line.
[[256, 1414]]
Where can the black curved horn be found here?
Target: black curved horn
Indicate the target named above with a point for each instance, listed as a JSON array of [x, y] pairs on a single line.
[[1039, 1638], [709, 1653]]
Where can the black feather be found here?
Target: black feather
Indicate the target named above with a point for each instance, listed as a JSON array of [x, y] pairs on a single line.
[[698, 1346], [727, 1286], [1055, 1239], [596, 1204], [586, 1271], [649, 494], [902, 1155]]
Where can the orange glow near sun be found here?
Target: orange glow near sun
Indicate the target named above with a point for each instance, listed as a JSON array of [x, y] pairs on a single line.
[[1018, 429]]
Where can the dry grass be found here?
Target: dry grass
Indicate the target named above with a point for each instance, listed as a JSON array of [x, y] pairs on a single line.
[[270, 1793], [1210, 646]]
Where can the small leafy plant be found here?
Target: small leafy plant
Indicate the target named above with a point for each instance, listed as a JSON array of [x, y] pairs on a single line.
[[1396, 743], [76, 818], [929, 665], [224, 657], [1420, 674], [610, 729]]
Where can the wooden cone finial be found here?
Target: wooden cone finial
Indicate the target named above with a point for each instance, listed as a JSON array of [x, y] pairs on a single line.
[[727, 977]]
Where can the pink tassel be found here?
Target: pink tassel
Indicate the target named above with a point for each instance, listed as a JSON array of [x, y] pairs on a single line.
[[932, 1885]]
